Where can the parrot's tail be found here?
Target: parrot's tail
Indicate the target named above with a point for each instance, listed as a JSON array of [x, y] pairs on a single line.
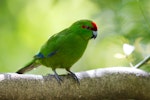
[[28, 67]]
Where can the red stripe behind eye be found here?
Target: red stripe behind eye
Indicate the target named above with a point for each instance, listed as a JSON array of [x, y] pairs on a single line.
[[83, 26], [94, 26]]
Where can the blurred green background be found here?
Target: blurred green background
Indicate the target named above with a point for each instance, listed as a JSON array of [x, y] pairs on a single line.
[[26, 24]]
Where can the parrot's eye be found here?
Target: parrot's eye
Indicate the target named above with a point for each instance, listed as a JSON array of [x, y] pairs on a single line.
[[87, 27]]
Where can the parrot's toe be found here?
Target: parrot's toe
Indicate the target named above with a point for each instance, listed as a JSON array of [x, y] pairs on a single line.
[[74, 76], [59, 80]]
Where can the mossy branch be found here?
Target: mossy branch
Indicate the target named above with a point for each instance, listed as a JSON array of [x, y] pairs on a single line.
[[117, 83]]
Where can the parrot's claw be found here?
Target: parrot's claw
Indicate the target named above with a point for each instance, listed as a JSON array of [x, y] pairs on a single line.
[[74, 76], [59, 80]]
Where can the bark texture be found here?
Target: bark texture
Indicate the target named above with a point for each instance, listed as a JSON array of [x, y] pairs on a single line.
[[116, 83]]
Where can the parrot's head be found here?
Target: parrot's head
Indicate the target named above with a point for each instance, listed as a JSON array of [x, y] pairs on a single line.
[[85, 28]]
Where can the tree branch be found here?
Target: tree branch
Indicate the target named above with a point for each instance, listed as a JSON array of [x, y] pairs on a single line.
[[145, 60], [107, 83]]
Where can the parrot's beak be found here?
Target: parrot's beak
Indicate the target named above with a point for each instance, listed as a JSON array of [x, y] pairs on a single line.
[[94, 34]]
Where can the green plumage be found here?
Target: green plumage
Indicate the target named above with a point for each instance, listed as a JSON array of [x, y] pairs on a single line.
[[63, 49]]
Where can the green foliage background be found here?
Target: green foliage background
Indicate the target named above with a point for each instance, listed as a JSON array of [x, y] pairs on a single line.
[[26, 24]]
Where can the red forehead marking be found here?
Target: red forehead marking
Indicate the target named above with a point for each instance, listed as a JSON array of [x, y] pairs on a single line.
[[94, 26]]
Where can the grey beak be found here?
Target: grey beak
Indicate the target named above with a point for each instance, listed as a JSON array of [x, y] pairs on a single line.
[[94, 34]]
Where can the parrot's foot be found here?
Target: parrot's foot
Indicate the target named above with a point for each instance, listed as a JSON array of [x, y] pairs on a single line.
[[74, 76], [59, 80]]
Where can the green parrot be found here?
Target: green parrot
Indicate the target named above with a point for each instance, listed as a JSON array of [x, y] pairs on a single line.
[[65, 48]]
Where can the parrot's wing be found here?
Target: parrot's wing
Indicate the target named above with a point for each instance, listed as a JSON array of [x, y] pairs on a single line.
[[52, 46]]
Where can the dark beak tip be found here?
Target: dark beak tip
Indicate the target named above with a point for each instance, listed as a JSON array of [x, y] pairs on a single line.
[[94, 36]]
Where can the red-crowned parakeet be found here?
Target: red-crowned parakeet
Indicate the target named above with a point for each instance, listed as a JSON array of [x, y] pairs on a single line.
[[65, 48]]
